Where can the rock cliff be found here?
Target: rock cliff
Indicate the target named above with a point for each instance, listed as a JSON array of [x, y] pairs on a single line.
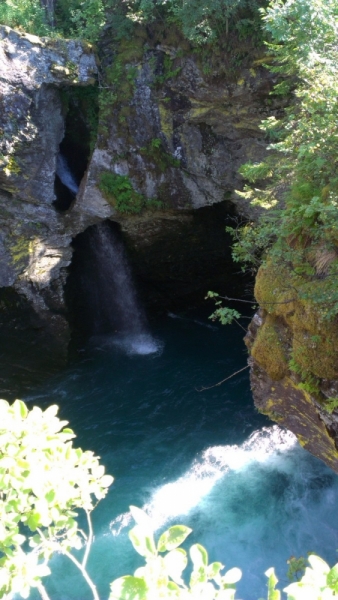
[[175, 135], [34, 237], [294, 367]]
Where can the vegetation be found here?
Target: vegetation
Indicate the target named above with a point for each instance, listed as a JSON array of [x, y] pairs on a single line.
[[200, 21], [28, 15], [297, 185], [45, 481], [294, 243], [119, 191]]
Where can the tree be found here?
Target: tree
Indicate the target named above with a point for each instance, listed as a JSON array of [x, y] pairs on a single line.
[[297, 185], [44, 481]]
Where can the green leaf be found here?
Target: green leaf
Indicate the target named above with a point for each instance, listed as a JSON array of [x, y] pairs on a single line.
[[33, 521], [143, 541], [50, 496], [175, 562], [20, 408], [273, 594], [232, 576], [332, 578], [213, 571], [199, 556], [128, 588], [173, 537]]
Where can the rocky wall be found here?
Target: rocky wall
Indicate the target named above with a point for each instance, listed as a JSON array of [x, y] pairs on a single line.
[[293, 357], [34, 238]]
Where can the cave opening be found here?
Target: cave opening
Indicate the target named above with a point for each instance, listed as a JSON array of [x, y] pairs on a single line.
[[174, 263], [80, 106], [90, 290]]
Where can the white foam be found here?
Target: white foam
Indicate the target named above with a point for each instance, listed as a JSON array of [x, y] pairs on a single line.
[[142, 344], [177, 498], [130, 344]]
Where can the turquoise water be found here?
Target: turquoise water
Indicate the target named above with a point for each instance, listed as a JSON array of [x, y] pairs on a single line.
[[252, 496]]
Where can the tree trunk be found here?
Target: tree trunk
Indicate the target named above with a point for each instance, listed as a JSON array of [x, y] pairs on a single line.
[[49, 6]]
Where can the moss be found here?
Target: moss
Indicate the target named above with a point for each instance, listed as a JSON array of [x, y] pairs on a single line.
[[20, 252], [274, 290], [166, 121], [317, 353], [268, 351], [156, 152], [12, 167], [313, 339], [131, 50]]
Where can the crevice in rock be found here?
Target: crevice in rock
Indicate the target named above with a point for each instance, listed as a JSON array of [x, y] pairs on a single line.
[[81, 116]]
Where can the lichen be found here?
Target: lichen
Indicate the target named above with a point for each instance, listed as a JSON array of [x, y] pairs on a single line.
[[166, 121]]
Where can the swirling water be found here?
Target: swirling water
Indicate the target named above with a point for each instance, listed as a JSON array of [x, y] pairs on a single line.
[[250, 493]]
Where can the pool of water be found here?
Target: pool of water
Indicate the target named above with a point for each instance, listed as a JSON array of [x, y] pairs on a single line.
[[204, 458]]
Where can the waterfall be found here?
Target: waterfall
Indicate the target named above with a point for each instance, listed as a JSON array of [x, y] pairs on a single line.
[[65, 175], [107, 283]]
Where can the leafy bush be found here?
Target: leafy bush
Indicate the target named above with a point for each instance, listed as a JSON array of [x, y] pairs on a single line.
[[201, 21], [297, 185], [43, 479], [118, 190], [28, 15]]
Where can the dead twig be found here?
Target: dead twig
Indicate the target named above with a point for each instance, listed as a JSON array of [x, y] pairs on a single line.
[[223, 380]]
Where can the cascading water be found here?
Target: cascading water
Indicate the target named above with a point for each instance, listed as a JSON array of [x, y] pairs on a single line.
[[66, 184], [106, 295], [65, 175]]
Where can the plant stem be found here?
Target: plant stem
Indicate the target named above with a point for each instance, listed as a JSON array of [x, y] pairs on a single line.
[[89, 540], [42, 591], [84, 573]]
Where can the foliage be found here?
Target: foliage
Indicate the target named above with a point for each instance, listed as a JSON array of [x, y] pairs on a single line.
[[87, 18], [224, 314], [201, 22], [310, 383], [165, 562], [44, 480], [119, 190], [161, 577], [330, 404], [297, 185], [156, 152], [80, 18], [28, 15], [296, 568]]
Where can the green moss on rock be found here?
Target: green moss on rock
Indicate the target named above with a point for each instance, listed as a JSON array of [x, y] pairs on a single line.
[[268, 352]]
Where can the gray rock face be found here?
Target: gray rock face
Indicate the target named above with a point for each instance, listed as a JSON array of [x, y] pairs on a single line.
[[182, 138], [34, 238], [179, 138]]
